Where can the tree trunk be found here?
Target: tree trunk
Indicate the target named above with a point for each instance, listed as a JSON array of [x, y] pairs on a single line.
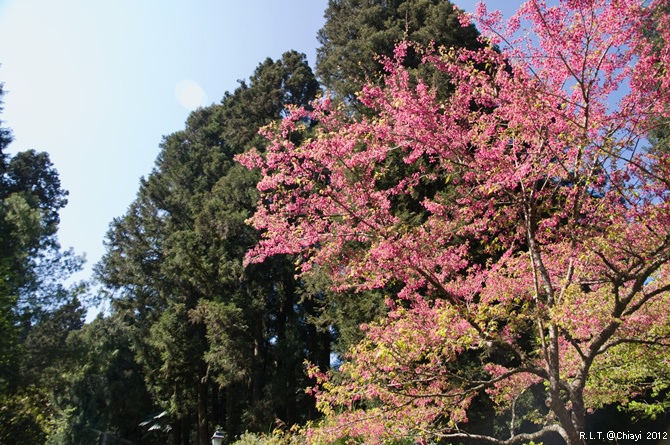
[[232, 413], [176, 433], [258, 374], [203, 430]]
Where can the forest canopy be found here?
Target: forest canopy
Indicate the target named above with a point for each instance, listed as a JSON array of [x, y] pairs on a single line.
[[453, 229]]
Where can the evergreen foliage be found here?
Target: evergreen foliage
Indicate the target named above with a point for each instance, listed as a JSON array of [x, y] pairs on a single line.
[[217, 341], [358, 34], [37, 311]]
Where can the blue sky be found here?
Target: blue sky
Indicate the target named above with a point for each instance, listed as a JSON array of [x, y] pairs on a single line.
[[98, 83]]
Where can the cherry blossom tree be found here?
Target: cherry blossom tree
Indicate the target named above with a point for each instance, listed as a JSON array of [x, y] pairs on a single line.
[[542, 249]]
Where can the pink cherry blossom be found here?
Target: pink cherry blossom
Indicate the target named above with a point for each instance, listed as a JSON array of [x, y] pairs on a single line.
[[547, 241]]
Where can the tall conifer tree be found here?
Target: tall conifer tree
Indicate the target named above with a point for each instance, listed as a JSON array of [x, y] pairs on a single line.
[[214, 334]]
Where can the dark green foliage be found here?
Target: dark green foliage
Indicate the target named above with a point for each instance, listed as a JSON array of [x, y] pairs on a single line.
[[25, 415], [46, 349], [160, 266], [46, 356], [660, 134], [31, 198], [273, 86], [339, 315], [37, 311], [107, 391], [217, 342], [31, 174], [357, 32], [660, 137]]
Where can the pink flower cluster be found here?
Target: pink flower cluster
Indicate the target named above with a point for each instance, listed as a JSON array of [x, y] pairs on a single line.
[[548, 219]]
